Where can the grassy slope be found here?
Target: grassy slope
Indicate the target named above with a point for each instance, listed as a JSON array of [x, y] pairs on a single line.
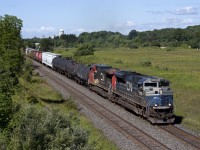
[[39, 89], [181, 66]]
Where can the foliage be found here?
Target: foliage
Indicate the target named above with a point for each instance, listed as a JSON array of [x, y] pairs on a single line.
[[85, 49], [102, 38], [46, 44], [27, 71], [132, 45], [31, 42], [68, 40], [11, 60], [168, 37], [132, 34], [50, 99], [36, 128]]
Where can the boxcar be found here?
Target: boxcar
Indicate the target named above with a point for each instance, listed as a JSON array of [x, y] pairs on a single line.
[[38, 56], [48, 57]]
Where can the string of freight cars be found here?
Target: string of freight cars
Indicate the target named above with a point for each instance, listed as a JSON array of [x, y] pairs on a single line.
[[148, 96]]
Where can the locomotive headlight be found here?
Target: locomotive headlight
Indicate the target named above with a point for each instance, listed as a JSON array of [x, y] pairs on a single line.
[[170, 105], [156, 105]]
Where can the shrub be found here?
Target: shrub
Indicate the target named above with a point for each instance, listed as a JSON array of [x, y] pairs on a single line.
[[170, 49], [34, 128], [119, 61], [133, 46], [71, 104], [2, 141], [146, 63], [84, 50], [27, 71], [32, 99]]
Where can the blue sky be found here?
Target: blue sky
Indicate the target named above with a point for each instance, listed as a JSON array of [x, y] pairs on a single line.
[[46, 17]]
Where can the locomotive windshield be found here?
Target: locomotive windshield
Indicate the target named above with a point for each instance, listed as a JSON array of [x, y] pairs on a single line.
[[154, 84]]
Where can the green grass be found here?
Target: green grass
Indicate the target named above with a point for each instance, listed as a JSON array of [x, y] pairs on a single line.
[[181, 66], [47, 98], [65, 52]]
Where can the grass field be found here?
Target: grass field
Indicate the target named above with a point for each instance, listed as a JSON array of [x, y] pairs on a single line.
[[179, 65]]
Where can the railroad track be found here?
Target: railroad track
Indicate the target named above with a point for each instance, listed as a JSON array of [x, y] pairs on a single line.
[[183, 135], [137, 136]]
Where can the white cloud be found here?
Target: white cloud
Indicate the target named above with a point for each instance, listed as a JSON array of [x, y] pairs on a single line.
[[177, 21], [39, 32], [124, 27], [185, 11], [171, 20], [154, 12], [80, 30], [76, 31], [128, 24], [46, 29], [187, 21]]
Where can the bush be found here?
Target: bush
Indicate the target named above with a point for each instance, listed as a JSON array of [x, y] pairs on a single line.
[[71, 104], [27, 71], [132, 46], [34, 128], [170, 49], [119, 61], [2, 141], [84, 50], [32, 99], [146, 63]]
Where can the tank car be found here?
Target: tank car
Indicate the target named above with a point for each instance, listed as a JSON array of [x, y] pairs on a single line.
[[72, 69], [82, 74], [65, 66], [60, 65]]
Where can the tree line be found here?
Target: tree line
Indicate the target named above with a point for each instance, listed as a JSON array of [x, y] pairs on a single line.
[[168, 37]]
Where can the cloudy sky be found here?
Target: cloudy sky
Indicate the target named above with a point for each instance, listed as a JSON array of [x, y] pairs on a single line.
[[44, 18]]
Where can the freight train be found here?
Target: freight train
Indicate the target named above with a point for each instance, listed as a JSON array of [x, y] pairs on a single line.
[[148, 96]]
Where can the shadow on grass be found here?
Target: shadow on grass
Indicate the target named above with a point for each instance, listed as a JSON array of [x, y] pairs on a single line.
[[178, 119], [53, 101]]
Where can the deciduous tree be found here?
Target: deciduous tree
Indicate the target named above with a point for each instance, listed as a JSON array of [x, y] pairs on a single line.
[[11, 60]]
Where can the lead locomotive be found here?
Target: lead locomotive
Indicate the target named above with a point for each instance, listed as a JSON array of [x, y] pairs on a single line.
[[148, 96]]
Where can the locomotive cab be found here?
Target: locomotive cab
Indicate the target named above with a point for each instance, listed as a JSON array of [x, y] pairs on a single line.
[[159, 100], [150, 87]]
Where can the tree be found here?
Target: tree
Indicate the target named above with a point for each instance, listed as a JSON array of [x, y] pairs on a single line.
[[46, 44], [132, 34], [11, 60], [68, 40], [83, 50]]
